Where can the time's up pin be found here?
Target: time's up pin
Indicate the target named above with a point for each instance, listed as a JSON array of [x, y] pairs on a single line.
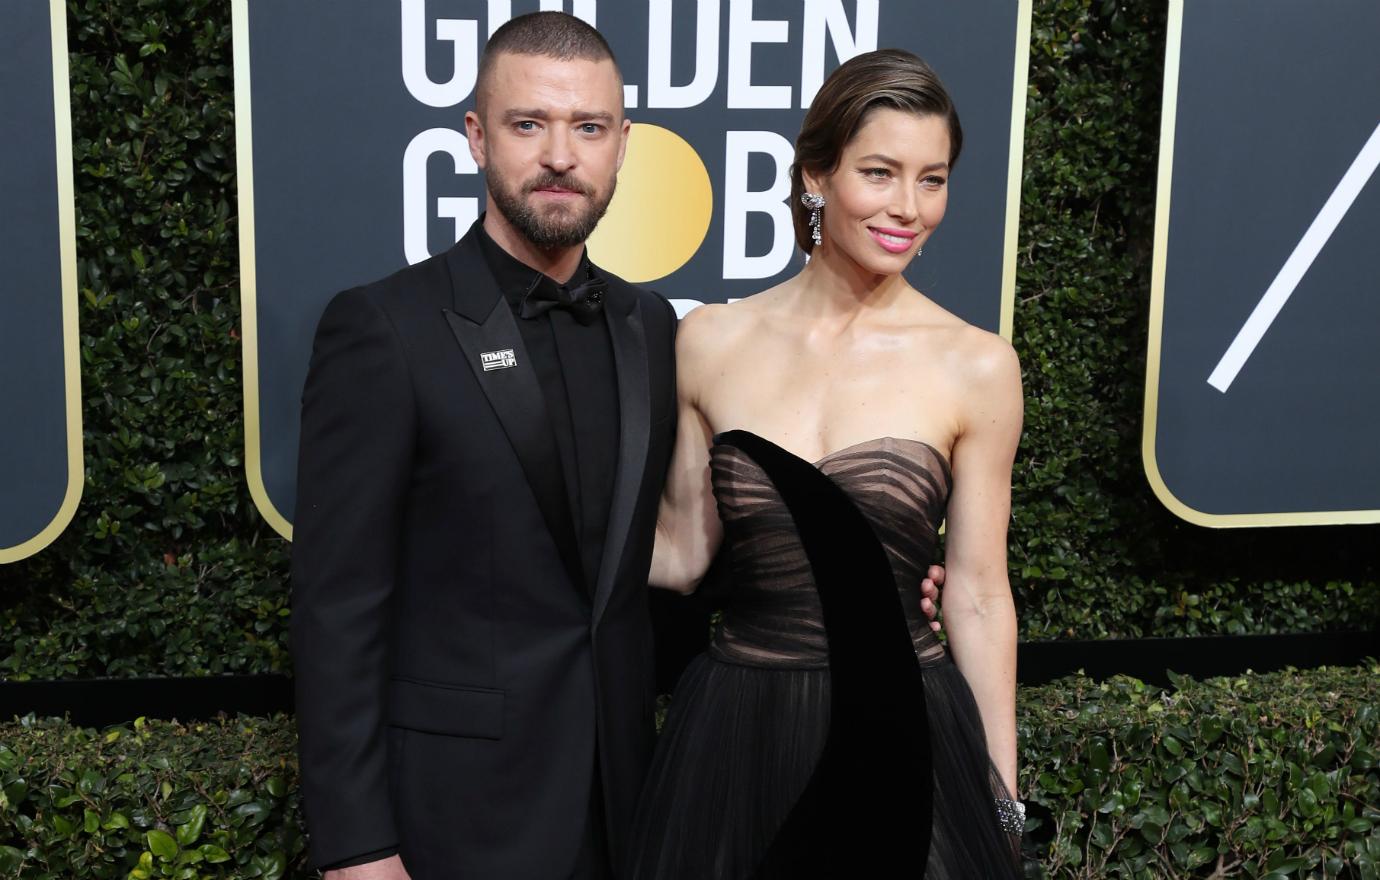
[[497, 360]]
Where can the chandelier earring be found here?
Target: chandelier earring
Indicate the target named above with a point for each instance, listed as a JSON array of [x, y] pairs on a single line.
[[815, 202]]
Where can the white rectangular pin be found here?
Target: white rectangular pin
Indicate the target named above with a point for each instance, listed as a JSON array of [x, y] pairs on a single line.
[[497, 360]]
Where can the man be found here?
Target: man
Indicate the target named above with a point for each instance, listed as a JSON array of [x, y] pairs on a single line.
[[484, 440], [484, 437]]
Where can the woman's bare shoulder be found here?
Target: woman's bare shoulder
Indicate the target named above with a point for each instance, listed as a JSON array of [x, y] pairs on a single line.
[[708, 331], [990, 358], [978, 357], [987, 375]]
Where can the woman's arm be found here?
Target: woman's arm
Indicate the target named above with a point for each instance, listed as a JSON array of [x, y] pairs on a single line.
[[978, 611], [688, 530]]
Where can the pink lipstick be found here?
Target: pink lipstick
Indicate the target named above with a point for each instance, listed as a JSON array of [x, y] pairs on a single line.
[[896, 241]]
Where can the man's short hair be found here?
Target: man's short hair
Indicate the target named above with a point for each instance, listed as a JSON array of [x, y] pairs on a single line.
[[550, 34]]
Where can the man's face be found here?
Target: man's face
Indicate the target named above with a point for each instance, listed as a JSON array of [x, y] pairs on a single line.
[[550, 143]]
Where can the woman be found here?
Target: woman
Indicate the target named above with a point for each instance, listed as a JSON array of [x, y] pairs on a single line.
[[827, 427]]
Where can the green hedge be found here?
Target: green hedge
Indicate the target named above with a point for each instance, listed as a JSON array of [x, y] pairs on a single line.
[[1271, 776], [167, 569], [150, 799]]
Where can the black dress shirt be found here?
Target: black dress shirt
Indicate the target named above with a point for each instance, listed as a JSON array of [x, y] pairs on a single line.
[[575, 369]]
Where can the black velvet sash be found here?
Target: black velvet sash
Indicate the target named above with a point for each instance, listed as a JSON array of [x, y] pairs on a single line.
[[867, 808]]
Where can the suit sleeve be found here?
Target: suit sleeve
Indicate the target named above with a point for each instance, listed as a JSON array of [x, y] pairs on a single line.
[[353, 468]]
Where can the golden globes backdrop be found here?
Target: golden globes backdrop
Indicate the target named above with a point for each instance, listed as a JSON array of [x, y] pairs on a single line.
[[353, 161], [1262, 398], [40, 447]]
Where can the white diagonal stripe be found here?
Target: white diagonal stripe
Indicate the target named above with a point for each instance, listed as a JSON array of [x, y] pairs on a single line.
[[1279, 291]]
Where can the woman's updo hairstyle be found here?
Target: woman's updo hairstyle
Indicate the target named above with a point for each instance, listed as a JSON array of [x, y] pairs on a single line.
[[892, 78]]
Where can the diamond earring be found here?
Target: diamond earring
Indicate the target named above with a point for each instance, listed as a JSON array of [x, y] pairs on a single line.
[[813, 201]]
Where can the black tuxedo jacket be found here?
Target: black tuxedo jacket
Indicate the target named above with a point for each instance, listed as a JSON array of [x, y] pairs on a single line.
[[453, 678]]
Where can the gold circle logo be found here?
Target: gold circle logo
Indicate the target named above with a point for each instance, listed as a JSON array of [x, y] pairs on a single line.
[[660, 214]]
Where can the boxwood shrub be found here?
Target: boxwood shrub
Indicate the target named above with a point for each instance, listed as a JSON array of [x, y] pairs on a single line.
[[150, 799], [1265, 776], [1258, 776]]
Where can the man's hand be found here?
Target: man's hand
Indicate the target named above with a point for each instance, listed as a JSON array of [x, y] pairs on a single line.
[[390, 868], [929, 595]]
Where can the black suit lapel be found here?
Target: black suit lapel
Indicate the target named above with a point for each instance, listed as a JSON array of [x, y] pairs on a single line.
[[484, 326], [624, 316]]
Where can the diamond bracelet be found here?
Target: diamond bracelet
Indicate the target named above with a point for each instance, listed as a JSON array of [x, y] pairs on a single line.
[[1011, 816]]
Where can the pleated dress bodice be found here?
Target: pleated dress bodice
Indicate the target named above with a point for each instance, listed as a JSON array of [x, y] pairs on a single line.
[[774, 618]]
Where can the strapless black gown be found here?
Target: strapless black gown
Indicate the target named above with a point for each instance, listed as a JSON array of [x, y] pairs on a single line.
[[825, 732]]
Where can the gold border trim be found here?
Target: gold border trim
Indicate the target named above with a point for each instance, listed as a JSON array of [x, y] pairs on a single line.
[[249, 311], [1174, 37], [1016, 168], [67, 258]]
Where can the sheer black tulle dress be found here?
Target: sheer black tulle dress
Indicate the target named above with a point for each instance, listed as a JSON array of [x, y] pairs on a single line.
[[826, 732]]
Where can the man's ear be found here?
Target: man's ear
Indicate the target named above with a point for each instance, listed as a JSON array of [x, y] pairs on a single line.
[[623, 141], [474, 133]]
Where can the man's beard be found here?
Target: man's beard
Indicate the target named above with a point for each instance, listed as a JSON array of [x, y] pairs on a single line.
[[559, 225]]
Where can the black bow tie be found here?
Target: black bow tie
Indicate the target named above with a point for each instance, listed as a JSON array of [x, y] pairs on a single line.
[[585, 301]]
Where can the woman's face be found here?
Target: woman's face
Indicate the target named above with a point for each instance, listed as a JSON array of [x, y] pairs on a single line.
[[889, 191]]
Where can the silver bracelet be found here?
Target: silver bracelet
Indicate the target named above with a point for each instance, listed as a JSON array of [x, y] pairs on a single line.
[[1011, 816]]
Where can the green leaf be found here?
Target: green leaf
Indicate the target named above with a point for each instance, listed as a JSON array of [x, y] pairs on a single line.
[[144, 869], [161, 844], [1098, 756], [1210, 729], [252, 813], [10, 859], [271, 866], [188, 832], [213, 853]]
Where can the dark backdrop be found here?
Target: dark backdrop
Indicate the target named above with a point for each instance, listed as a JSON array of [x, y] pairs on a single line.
[[168, 570]]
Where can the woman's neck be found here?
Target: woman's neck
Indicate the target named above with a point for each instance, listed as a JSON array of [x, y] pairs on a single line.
[[832, 284]]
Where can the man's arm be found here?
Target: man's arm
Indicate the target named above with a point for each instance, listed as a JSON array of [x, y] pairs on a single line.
[[354, 464]]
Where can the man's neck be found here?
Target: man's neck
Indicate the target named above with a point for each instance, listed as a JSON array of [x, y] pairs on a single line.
[[558, 264]]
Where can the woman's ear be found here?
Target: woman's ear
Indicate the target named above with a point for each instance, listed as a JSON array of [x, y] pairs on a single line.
[[813, 182]]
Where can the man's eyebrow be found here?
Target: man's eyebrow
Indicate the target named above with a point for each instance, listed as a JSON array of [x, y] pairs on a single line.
[[518, 113], [593, 116]]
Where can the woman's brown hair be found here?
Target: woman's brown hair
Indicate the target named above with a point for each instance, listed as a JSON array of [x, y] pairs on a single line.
[[892, 78]]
